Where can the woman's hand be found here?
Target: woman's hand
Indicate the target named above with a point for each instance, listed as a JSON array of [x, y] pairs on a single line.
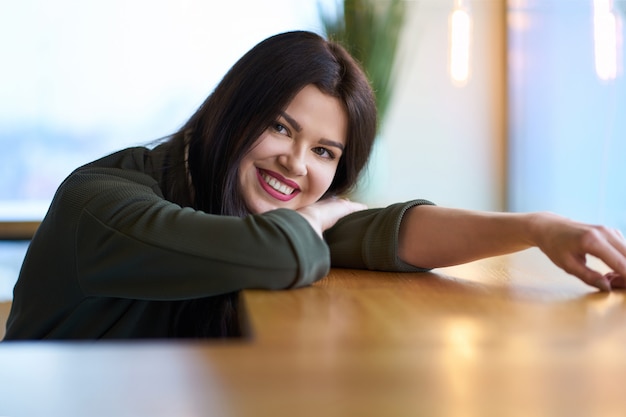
[[324, 214], [568, 243]]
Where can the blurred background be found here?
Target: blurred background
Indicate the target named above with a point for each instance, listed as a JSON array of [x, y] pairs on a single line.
[[514, 105]]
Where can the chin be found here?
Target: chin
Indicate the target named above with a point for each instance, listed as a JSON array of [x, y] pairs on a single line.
[[261, 208]]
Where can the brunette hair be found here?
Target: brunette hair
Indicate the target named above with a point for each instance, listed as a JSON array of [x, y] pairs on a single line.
[[251, 96], [224, 128]]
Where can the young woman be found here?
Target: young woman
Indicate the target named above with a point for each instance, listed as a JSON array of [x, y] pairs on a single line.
[[157, 242]]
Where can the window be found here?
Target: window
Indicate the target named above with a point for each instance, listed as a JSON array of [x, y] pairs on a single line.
[[89, 78], [567, 98]]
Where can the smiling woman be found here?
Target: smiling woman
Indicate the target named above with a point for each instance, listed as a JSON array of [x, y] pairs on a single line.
[[154, 243], [294, 161], [157, 242]]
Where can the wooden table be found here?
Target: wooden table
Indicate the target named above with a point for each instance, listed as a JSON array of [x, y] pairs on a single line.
[[507, 336]]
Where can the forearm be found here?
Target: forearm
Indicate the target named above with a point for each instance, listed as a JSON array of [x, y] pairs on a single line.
[[432, 236]]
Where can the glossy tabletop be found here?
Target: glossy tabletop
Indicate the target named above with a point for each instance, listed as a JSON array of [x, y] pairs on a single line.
[[507, 336]]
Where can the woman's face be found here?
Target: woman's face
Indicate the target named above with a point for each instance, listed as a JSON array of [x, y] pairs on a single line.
[[292, 164]]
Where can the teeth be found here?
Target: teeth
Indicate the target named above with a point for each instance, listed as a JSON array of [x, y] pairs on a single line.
[[277, 185]]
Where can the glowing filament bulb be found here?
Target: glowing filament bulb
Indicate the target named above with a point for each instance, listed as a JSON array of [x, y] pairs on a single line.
[[460, 41], [605, 38]]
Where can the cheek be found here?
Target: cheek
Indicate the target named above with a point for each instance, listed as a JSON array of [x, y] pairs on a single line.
[[246, 176], [324, 179], [243, 172]]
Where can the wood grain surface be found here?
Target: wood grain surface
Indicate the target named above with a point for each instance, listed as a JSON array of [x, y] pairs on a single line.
[[507, 336]]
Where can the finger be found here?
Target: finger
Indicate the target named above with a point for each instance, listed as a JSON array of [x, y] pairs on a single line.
[[612, 258], [602, 284], [616, 280], [595, 279], [618, 240], [611, 250], [353, 205], [576, 266]]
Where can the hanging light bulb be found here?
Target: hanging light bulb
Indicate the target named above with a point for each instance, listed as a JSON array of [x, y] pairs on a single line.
[[607, 43], [460, 42]]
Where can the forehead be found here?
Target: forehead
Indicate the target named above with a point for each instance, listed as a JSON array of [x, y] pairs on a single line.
[[318, 114]]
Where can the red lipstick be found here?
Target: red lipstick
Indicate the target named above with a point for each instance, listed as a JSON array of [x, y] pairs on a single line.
[[275, 193]]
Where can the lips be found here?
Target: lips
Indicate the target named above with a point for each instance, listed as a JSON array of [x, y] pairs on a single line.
[[277, 186]]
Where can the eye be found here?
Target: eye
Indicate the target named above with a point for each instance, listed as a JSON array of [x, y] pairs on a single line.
[[323, 152], [280, 128]]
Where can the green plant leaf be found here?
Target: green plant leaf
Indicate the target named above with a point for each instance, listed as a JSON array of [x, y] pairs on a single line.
[[370, 31]]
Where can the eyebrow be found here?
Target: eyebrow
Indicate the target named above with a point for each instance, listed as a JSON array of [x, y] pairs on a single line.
[[329, 142], [291, 121], [298, 128]]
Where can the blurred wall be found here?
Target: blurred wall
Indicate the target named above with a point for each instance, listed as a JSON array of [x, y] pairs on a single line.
[[567, 104], [442, 142]]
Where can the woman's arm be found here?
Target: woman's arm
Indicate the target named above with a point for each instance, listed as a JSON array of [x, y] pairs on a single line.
[[433, 237], [119, 237]]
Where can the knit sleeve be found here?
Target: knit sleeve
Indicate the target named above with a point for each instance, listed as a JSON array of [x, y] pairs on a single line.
[[369, 239], [130, 242]]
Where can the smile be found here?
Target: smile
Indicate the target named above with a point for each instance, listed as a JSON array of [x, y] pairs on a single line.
[[276, 187]]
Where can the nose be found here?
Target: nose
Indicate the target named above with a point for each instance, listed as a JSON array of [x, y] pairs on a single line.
[[294, 161]]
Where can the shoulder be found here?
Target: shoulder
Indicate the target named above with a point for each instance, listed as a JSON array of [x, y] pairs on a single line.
[[121, 175], [129, 159], [127, 165]]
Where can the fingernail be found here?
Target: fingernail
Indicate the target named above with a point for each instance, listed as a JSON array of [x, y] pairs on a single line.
[[603, 284]]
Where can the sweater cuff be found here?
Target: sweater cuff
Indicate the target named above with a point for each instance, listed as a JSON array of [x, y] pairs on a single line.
[[380, 244]]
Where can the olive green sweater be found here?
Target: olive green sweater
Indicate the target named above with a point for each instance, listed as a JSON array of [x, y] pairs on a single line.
[[112, 255]]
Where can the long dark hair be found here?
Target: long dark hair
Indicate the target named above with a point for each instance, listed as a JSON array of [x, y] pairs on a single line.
[[249, 98]]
